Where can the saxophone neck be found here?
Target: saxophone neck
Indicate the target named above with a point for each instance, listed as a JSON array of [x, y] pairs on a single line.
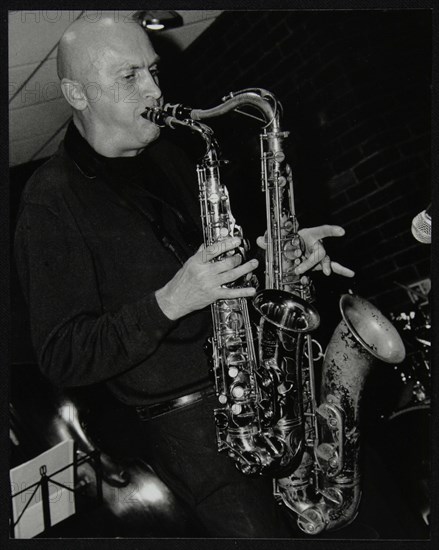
[[173, 118], [212, 154], [262, 100]]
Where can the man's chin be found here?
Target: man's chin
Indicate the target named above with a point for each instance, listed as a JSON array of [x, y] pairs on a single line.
[[156, 133], [152, 134]]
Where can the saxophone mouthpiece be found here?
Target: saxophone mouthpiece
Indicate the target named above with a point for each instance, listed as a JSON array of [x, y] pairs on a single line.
[[170, 115], [178, 111], [155, 115]]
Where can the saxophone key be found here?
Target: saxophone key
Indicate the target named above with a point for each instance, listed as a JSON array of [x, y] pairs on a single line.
[[233, 372], [234, 320], [222, 398], [238, 392], [281, 181], [233, 343], [213, 198], [237, 360]]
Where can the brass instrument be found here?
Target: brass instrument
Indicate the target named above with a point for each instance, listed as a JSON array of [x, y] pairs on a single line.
[[318, 475], [325, 490], [246, 403], [287, 317]]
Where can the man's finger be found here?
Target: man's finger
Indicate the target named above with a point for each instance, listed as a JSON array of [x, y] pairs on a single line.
[[238, 272], [226, 263], [260, 241], [342, 270], [317, 255], [310, 263], [226, 293], [326, 265], [220, 247], [323, 231], [313, 259]]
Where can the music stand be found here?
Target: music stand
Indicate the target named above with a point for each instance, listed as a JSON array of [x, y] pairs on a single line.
[[93, 457]]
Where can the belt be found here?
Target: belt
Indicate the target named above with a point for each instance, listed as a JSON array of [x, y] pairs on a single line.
[[146, 412]]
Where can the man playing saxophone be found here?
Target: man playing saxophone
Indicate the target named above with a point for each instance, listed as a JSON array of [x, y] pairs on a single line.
[[108, 252]]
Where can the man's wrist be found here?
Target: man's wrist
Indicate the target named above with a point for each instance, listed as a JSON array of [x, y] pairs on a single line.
[[166, 304]]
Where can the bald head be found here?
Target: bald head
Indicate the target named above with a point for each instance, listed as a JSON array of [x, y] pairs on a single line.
[[109, 75], [85, 43]]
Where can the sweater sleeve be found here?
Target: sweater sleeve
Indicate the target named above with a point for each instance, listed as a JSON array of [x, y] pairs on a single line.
[[76, 342]]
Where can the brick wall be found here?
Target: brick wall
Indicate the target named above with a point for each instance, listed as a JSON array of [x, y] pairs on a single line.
[[355, 86]]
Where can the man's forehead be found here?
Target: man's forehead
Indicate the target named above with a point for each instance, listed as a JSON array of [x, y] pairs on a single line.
[[116, 58]]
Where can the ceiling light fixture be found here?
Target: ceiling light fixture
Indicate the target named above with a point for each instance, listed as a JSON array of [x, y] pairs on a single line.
[[157, 20]]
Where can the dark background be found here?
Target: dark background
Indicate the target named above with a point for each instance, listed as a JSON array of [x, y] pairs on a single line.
[[355, 87]]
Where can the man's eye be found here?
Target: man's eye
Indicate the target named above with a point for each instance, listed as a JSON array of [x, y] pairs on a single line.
[[154, 73], [129, 76]]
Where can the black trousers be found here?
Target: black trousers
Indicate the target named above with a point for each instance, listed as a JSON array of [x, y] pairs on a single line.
[[182, 450], [181, 447]]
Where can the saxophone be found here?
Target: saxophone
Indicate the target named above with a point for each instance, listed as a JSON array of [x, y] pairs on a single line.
[[319, 477], [286, 316], [325, 491], [246, 395]]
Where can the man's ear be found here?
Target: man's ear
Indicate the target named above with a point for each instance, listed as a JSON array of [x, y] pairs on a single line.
[[74, 93]]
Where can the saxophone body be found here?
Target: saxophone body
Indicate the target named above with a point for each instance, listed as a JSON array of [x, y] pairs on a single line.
[[286, 315], [325, 491], [246, 406], [315, 468]]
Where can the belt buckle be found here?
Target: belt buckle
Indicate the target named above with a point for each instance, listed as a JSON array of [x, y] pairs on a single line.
[[143, 413]]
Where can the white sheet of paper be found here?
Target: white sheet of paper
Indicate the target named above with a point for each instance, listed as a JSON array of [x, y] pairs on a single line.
[[61, 501]]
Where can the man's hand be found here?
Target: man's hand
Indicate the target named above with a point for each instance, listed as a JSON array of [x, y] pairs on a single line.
[[315, 253], [200, 282]]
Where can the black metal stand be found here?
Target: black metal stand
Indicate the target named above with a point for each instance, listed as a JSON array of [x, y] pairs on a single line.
[[93, 457]]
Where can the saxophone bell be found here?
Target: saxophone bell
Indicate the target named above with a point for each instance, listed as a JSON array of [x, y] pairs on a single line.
[[373, 331], [286, 310]]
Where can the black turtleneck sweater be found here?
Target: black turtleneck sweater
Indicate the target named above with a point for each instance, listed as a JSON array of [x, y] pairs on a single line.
[[96, 237]]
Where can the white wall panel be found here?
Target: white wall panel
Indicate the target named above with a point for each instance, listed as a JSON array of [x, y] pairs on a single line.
[[38, 119], [23, 150], [32, 34], [183, 36], [43, 86]]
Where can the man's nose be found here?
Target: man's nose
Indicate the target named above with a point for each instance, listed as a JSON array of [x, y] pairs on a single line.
[[149, 87]]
